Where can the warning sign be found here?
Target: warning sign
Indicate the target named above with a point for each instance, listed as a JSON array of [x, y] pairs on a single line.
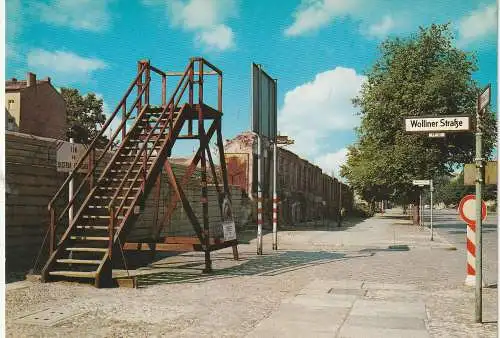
[[67, 157], [229, 230]]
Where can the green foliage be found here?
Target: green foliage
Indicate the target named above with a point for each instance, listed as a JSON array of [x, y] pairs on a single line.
[[423, 75], [451, 191], [85, 112]]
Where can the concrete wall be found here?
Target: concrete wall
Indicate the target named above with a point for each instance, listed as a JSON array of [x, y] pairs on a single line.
[[32, 180]]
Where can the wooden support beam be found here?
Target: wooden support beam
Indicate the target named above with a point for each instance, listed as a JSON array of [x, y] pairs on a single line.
[[184, 180], [185, 203]]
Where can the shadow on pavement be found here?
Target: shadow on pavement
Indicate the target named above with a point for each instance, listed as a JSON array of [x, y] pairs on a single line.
[[266, 265]]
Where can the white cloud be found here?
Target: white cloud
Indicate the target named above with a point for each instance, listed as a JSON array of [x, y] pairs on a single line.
[[331, 162], [63, 66], [313, 112], [89, 15], [205, 18], [219, 37], [314, 14], [479, 24], [382, 28]]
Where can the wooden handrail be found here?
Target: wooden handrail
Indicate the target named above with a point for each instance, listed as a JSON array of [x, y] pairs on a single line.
[[144, 146], [92, 144], [71, 202]]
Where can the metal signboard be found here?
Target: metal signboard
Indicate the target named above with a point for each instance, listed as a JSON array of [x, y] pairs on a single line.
[[229, 230], [490, 173], [264, 103], [485, 97], [421, 182], [67, 157], [437, 124], [437, 135]]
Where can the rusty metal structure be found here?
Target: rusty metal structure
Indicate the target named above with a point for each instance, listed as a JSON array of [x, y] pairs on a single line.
[[108, 199]]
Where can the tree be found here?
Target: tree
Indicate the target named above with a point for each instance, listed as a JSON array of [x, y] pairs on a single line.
[[86, 113], [451, 191], [422, 75]]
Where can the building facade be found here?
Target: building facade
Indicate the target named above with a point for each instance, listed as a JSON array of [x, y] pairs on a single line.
[[35, 107]]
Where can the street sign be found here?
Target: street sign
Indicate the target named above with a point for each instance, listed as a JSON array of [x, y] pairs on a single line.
[[421, 182], [490, 173], [467, 209], [437, 124], [67, 157], [437, 135], [485, 97]]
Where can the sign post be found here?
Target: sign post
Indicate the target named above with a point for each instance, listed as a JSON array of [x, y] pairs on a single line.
[[70, 190], [482, 102], [422, 183]]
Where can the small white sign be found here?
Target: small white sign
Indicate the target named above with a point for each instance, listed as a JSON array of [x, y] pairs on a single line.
[[421, 182], [436, 135], [67, 157], [229, 230], [484, 98], [436, 124]]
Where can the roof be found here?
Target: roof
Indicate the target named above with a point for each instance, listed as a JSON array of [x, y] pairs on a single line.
[[12, 85]]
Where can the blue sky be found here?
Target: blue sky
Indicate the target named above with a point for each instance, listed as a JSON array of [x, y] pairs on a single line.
[[317, 49]]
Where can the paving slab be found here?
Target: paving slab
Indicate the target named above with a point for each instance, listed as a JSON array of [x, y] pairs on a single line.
[[402, 323], [388, 308], [388, 286], [293, 329], [326, 301], [365, 332]]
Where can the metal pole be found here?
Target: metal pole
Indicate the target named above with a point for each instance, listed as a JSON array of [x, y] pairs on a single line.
[[420, 213], [70, 189], [259, 198], [432, 207], [340, 204], [479, 182], [275, 199]]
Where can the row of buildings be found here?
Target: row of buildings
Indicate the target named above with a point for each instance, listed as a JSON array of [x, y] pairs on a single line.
[[305, 192]]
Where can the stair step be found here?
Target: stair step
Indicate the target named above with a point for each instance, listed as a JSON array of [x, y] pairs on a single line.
[[114, 188], [90, 238], [119, 179], [78, 261], [100, 217], [124, 171], [136, 148], [79, 249], [104, 207], [109, 197], [94, 227], [79, 274], [129, 163]]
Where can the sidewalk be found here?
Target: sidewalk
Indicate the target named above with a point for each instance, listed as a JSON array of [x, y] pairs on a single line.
[[414, 293]]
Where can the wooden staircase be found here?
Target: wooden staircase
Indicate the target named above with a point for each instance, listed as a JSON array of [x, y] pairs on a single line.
[[111, 201]]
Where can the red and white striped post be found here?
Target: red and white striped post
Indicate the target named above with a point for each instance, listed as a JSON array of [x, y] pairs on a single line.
[[471, 255], [466, 210]]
